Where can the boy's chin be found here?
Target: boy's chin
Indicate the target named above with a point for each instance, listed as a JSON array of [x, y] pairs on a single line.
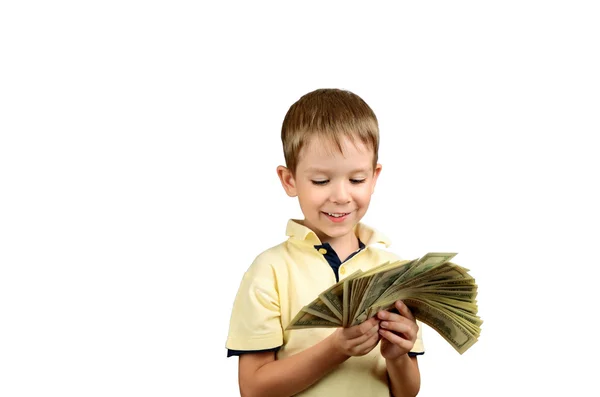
[[335, 231]]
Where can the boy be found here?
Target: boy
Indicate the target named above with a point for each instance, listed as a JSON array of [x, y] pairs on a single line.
[[330, 142]]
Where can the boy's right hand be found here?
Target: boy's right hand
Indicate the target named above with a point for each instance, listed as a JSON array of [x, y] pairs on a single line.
[[357, 340]]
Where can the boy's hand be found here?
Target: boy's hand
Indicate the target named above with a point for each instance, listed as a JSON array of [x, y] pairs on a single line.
[[357, 340], [399, 331]]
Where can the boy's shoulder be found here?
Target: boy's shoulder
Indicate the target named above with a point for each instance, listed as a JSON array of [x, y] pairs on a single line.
[[272, 254], [296, 233], [378, 242], [383, 254]]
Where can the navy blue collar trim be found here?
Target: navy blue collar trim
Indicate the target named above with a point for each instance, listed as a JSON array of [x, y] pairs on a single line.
[[332, 257]]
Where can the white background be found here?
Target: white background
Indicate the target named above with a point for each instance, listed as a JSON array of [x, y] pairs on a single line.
[[138, 147]]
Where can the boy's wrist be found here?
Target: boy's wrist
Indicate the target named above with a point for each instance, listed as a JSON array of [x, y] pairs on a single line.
[[398, 361], [335, 349]]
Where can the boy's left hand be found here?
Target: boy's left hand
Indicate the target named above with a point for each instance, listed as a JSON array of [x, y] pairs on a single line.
[[398, 331]]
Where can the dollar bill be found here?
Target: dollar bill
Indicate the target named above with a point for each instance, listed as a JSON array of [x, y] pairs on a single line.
[[333, 296], [379, 283], [448, 327], [320, 309], [347, 295], [439, 293], [428, 262], [308, 320]]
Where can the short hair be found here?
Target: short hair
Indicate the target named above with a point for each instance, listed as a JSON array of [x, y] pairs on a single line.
[[329, 114]]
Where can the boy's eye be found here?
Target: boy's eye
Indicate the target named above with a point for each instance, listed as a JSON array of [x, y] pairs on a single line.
[[319, 182], [324, 182]]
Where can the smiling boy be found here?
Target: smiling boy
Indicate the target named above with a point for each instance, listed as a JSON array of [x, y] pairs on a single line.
[[330, 141]]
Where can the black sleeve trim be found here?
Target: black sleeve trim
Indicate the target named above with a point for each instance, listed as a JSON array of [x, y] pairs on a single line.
[[274, 349], [239, 352]]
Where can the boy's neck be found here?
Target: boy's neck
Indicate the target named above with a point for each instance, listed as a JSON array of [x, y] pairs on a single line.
[[344, 249]]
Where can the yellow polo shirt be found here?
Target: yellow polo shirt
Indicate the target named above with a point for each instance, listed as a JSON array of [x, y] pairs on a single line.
[[285, 278]]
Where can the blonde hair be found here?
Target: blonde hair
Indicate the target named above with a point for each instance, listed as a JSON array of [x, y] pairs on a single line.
[[329, 114]]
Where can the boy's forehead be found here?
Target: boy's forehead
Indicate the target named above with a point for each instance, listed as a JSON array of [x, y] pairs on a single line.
[[321, 153]]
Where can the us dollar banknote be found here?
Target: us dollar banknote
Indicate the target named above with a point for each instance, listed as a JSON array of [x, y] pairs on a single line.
[[439, 293]]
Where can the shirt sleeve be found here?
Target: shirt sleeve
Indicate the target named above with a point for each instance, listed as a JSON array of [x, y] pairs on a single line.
[[256, 318], [231, 353]]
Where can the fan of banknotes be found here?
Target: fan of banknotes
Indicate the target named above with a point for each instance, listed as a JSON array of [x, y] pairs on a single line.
[[439, 293]]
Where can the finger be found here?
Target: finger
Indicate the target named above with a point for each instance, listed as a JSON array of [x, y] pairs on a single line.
[[404, 310], [361, 329], [352, 345], [368, 345], [396, 339], [364, 337], [404, 327], [390, 316]]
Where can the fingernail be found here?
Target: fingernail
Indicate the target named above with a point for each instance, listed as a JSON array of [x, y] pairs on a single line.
[[384, 324], [382, 314]]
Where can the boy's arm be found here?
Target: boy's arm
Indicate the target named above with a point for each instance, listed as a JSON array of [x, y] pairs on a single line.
[[405, 378], [400, 331], [260, 374]]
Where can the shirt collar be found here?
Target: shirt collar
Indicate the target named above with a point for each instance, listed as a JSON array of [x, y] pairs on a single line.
[[366, 234]]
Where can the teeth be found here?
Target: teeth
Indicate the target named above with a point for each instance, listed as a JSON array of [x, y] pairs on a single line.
[[336, 215]]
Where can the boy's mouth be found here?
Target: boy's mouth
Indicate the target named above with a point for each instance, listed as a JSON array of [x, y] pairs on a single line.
[[336, 214], [337, 217]]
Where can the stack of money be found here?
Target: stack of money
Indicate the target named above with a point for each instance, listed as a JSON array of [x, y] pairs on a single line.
[[439, 293]]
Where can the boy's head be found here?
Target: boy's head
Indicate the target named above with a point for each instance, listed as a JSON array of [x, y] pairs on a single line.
[[330, 141]]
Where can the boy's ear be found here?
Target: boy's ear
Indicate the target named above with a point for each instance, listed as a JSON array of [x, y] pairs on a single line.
[[287, 180], [375, 176]]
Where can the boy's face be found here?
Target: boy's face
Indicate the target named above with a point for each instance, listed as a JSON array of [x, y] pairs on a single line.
[[334, 189]]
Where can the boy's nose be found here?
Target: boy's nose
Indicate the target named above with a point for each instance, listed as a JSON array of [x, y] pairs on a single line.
[[340, 194]]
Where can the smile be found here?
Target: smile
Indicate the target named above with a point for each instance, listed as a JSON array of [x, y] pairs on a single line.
[[336, 214]]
